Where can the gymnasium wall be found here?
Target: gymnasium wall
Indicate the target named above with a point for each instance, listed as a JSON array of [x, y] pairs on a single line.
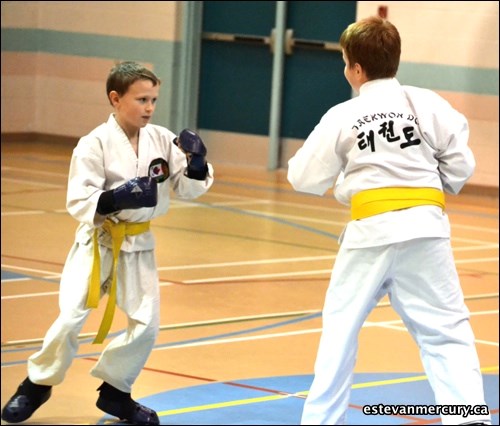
[[56, 56]]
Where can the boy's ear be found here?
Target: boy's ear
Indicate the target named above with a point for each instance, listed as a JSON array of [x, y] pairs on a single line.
[[113, 97], [360, 73]]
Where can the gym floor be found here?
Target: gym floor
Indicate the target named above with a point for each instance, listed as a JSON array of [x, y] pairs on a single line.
[[243, 271]]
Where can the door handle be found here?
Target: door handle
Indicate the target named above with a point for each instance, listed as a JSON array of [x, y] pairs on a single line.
[[236, 38], [297, 43], [291, 43]]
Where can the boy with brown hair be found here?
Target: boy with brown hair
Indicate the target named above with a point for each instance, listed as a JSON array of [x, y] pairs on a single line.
[[120, 179], [390, 154]]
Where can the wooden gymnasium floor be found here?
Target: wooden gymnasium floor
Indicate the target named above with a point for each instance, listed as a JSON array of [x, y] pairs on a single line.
[[243, 274]]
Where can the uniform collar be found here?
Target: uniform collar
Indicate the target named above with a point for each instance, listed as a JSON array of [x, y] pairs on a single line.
[[381, 84]]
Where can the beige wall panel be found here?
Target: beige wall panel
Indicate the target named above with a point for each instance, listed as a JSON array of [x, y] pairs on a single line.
[[18, 63], [19, 104], [74, 67], [483, 134], [18, 86], [236, 148], [20, 14], [70, 118], [77, 67], [155, 20], [64, 66], [482, 113], [480, 107], [69, 108], [435, 39], [67, 94], [13, 122], [90, 93], [454, 52]]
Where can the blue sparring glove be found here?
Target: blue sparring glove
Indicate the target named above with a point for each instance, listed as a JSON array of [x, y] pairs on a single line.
[[192, 145], [134, 194]]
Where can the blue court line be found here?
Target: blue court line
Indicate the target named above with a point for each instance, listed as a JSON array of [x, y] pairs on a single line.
[[238, 333], [273, 219], [14, 276], [179, 343]]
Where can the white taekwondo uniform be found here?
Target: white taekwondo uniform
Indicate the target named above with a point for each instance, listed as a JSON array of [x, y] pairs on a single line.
[[392, 136], [103, 160]]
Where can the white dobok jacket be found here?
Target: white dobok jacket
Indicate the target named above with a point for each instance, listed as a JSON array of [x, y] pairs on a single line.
[[104, 159], [388, 136]]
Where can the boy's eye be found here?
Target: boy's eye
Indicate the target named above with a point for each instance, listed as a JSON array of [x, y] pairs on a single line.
[[146, 100]]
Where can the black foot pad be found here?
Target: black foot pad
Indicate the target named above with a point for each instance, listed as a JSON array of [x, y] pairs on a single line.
[[130, 411], [25, 401]]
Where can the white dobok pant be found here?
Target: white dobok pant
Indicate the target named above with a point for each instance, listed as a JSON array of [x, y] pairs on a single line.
[[137, 296], [422, 283]]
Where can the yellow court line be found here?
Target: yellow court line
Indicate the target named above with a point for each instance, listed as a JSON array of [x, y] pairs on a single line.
[[297, 394], [223, 404]]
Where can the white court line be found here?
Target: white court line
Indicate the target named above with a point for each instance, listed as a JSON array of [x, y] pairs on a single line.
[[240, 339], [476, 228], [249, 262], [383, 324], [302, 273], [403, 328], [282, 203], [34, 183], [400, 321], [480, 260], [298, 218], [24, 213], [468, 240], [41, 271], [37, 172], [291, 259], [259, 276], [24, 296], [11, 280], [243, 202], [481, 247], [391, 325], [176, 203]]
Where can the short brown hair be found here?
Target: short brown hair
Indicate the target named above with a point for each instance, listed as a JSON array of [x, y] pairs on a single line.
[[124, 74], [375, 44]]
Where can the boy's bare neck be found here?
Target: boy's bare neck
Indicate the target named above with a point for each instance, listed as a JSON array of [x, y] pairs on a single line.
[[132, 135]]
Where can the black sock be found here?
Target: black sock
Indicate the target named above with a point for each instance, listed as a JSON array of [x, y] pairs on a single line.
[[110, 392], [31, 388]]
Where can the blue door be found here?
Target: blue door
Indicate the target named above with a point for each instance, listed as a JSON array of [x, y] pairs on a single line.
[[237, 64]]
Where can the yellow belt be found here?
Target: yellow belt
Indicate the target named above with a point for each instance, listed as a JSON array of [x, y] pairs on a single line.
[[118, 231], [375, 201]]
